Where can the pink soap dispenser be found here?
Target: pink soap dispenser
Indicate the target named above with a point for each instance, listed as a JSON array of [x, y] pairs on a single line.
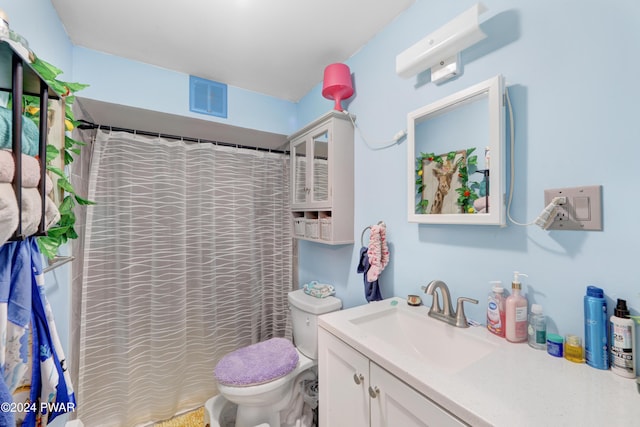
[[516, 312]]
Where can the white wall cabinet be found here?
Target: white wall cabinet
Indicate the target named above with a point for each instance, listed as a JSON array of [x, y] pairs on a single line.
[[321, 184], [356, 392]]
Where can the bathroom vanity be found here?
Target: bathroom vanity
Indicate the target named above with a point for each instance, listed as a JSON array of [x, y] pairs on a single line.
[[389, 364], [357, 392]]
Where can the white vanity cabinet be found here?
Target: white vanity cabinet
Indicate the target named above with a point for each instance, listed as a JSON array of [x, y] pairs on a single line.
[[321, 184], [356, 392]]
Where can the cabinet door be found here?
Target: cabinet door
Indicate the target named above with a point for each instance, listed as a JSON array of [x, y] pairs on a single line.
[[396, 404], [343, 384], [299, 186], [320, 167]]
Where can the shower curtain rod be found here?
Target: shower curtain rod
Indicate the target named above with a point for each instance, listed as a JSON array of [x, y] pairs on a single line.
[[88, 125]]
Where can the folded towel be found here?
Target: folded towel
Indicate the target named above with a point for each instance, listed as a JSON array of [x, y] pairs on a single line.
[[318, 290], [30, 138], [8, 212], [7, 166], [48, 184], [480, 205], [30, 171], [51, 213], [31, 211]]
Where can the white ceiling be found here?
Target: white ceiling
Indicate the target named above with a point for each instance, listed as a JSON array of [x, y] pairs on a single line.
[[274, 47]]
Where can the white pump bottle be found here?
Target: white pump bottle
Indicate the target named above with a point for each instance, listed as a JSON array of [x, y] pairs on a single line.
[[516, 312]]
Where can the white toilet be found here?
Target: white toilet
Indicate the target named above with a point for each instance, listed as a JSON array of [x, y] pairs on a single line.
[[261, 379]]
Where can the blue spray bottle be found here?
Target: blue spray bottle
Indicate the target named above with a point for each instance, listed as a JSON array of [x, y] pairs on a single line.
[[595, 328]]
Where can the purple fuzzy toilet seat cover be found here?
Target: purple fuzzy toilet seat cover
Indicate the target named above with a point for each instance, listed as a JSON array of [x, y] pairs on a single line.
[[258, 363]]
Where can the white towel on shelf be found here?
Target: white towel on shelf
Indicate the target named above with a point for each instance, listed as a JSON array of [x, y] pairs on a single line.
[[8, 212], [30, 172], [51, 213], [31, 211], [48, 184], [7, 166]]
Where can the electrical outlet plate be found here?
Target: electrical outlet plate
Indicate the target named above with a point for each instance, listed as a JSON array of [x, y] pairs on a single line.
[[582, 210]]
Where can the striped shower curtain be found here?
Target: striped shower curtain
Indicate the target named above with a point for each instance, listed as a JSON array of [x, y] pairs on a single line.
[[187, 256]]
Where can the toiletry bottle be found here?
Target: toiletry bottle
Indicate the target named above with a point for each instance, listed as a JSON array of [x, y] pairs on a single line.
[[495, 309], [595, 328], [623, 345], [573, 349], [516, 312], [537, 329]]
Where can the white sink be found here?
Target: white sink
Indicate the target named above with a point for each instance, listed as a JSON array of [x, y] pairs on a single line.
[[410, 331]]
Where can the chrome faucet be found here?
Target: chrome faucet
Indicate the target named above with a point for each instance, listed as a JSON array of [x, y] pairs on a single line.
[[446, 314]]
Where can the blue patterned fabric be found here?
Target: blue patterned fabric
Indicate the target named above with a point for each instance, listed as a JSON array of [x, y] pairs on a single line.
[[32, 360], [6, 255]]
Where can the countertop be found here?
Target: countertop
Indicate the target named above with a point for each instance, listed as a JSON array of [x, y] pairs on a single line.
[[514, 385]]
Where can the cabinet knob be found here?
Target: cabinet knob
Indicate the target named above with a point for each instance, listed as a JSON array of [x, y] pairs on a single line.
[[358, 378], [374, 392]]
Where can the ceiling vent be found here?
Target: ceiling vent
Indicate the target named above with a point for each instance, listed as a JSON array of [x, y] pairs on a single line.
[[207, 97]]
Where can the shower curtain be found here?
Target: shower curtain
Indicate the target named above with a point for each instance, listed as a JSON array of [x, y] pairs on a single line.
[[187, 256]]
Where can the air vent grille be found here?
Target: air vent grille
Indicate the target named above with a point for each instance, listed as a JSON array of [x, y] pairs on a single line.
[[207, 97]]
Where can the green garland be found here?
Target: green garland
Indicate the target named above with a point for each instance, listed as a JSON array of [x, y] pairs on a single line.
[[64, 230], [466, 195]]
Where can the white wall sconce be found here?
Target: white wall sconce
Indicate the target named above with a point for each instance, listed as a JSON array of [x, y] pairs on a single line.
[[441, 49]]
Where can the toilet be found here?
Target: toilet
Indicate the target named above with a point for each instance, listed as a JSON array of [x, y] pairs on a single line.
[[261, 379]]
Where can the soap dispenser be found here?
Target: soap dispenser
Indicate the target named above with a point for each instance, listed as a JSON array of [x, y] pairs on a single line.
[[516, 312]]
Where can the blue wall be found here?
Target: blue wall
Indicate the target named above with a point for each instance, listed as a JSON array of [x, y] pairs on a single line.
[[570, 68], [122, 81]]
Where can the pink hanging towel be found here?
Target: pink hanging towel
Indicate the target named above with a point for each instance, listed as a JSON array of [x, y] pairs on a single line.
[[378, 251]]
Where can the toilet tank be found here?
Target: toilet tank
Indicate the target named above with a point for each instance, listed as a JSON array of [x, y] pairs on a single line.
[[305, 310]]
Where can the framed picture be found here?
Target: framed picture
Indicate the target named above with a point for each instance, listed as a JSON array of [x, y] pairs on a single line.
[[442, 176]]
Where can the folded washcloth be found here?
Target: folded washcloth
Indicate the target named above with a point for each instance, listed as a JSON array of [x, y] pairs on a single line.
[[318, 290], [30, 138], [31, 211], [8, 212], [30, 172], [7, 166]]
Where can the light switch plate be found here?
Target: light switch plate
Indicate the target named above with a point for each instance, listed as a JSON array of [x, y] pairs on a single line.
[[582, 210]]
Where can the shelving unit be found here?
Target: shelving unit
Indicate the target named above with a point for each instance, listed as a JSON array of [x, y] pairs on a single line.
[[322, 180], [19, 78]]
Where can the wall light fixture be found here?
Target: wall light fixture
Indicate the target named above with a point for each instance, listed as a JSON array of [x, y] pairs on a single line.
[[441, 49]]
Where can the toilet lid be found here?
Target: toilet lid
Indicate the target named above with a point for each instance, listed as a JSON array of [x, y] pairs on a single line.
[[258, 363]]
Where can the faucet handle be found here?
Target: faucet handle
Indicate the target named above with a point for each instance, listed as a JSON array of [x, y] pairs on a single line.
[[461, 319], [435, 305]]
